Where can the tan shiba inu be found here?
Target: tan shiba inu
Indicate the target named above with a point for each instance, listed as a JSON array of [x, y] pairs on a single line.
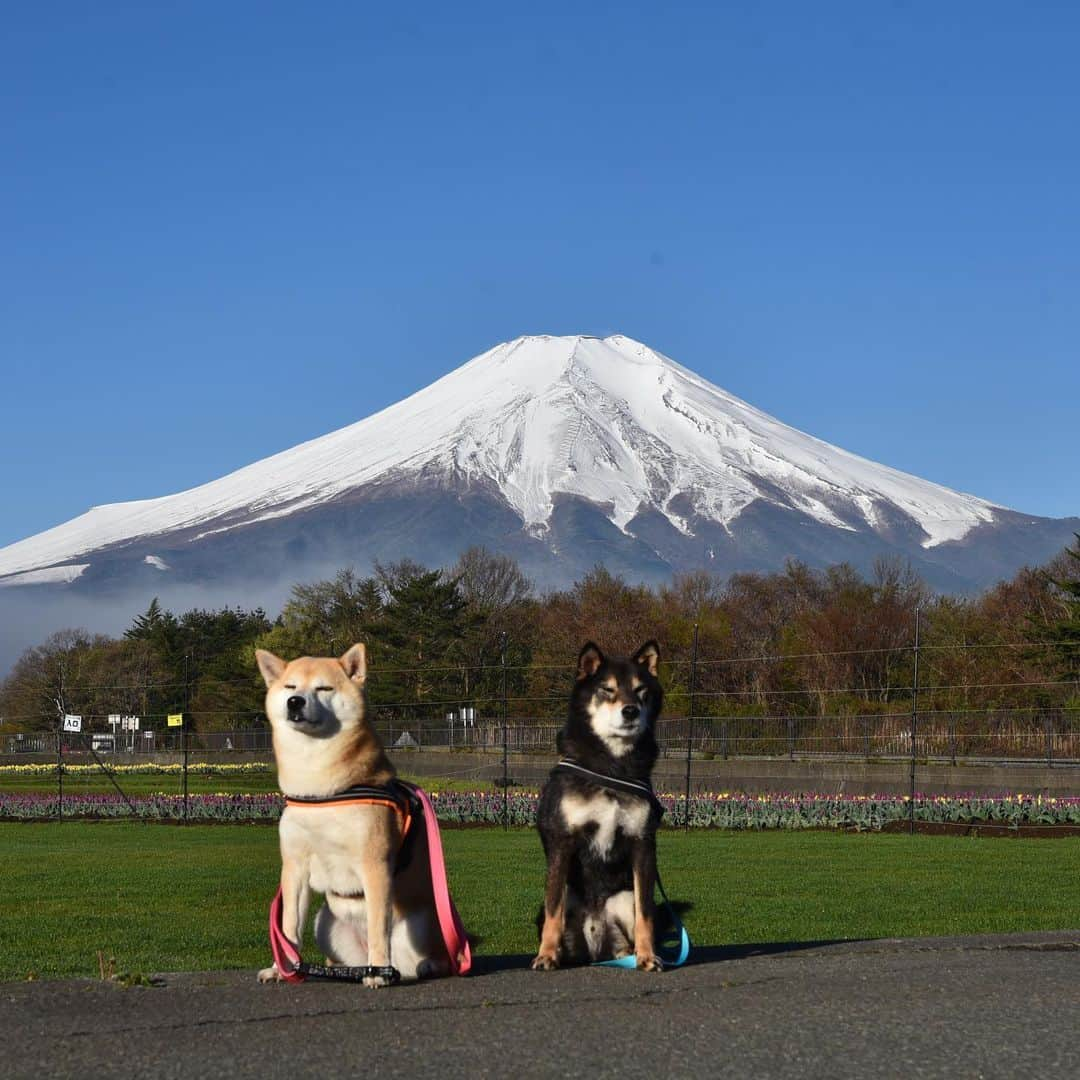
[[368, 859]]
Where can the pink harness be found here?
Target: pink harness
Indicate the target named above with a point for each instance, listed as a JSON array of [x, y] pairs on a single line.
[[291, 966]]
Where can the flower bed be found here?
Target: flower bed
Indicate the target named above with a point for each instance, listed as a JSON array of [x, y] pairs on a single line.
[[870, 812], [199, 768], [208, 808], [724, 811]]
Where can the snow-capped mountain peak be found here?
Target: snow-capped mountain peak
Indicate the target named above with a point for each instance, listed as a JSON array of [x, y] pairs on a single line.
[[535, 420], [624, 426]]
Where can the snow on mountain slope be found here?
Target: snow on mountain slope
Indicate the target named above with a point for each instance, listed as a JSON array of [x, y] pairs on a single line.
[[607, 419], [50, 575]]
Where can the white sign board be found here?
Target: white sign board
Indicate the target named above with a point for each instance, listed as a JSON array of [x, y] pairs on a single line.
[[114, 720], [72, 723]]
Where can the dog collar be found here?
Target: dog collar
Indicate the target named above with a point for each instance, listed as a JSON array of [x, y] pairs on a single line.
[[641, 788]]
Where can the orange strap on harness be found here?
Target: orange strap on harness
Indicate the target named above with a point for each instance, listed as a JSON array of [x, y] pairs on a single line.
[[394, 796]]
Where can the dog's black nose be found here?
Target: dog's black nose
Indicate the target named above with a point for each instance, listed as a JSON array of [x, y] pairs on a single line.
[[296, 703], [631, 712]]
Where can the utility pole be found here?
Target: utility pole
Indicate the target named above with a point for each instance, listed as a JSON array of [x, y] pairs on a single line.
[[506, 748], [914, 723], [61, 708], [690, 727], [183, 726]]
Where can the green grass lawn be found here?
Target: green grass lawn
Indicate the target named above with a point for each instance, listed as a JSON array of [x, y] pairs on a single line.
[[164, 898]]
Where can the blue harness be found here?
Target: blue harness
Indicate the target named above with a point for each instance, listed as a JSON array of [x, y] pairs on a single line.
[[675, 948]]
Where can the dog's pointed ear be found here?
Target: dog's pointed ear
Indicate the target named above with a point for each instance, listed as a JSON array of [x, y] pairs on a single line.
[[355, 663], [270, 665], [648, 657], [589, 659]]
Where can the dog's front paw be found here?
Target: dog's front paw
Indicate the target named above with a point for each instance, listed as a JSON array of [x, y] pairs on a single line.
[[377, 982], [649, 962], [545, 962], [270, 974]]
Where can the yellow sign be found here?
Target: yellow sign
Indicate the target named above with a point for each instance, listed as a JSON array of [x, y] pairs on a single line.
[[175, 719]]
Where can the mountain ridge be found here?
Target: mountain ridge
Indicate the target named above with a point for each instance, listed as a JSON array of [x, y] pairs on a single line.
[[676, 466]]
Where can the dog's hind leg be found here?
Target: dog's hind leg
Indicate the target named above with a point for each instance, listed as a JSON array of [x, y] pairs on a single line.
[[341, 940], [619, 917], [574, 948], [416, 947], [595, 929]]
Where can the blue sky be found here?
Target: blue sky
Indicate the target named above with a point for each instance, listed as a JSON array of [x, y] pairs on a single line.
[[231, 227]]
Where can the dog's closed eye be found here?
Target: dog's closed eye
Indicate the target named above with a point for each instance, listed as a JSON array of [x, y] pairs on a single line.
[[323, 689], [290, 686]]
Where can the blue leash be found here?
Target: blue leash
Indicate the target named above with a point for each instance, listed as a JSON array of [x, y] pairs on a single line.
[[674, 951]]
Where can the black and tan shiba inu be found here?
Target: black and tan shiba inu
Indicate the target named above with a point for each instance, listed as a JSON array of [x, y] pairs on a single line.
[[598, 817]]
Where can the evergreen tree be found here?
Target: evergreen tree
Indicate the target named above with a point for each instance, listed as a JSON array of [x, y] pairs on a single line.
[[156, 626], [425, 621], [213, 657], [143, 626]]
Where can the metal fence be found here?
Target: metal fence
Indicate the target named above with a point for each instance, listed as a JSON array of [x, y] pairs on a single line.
[[707, 717], [1046, 736]]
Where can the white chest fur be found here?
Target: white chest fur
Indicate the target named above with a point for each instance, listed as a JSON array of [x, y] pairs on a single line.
[[331, 841], [608, 814]]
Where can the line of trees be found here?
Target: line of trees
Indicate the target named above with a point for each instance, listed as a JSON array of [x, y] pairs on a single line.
[[797, 642]]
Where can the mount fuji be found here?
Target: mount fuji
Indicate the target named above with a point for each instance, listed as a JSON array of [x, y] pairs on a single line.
[[563, 452]]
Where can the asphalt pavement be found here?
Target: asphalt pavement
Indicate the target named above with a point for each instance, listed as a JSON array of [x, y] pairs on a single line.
[[1002, 1006]]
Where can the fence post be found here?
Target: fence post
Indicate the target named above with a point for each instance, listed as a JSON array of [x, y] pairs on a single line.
[[59, 770], [866, 737], [791, 738], [506, 746], [61, 705], [952, 739], [1048, 725], [914, 722], [690, 727], [723, 740], [186, 719]]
